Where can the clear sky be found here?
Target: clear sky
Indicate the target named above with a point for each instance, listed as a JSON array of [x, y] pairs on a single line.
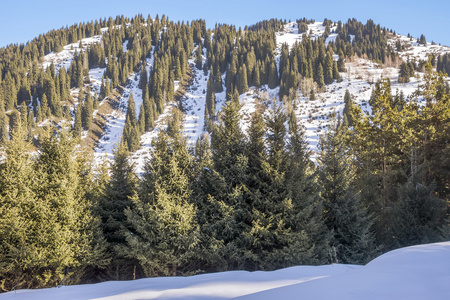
[[22, 20]]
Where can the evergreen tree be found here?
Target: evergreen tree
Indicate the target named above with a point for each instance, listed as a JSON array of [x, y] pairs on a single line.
[[19, 217], [117, 197], [348, 107], [45, 109], [210, 109], [353, 239], [131, 134], [87, 111], [242, 84], [198, 57], [319, 76], [163, 217], [3, 127], [419, 216], [14, 122], [273, 74], [77, 126]]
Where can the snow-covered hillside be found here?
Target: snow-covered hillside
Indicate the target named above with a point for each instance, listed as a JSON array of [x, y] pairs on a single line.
[[418, 272], [359, 80]]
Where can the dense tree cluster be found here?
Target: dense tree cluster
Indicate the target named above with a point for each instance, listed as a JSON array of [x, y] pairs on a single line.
[[443, 63]]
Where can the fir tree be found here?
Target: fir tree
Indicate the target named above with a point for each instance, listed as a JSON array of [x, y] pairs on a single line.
[[3, 128], [353, 238], [117, 197], [77, 126], [87, 111], [163, 217], [348, 108], [242, 84]]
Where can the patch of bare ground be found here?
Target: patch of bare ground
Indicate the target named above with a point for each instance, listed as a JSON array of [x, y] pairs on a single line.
[[97, 130], [185, 82]]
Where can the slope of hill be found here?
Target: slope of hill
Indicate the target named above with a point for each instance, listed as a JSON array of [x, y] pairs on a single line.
[[359, 80], [418, 272]]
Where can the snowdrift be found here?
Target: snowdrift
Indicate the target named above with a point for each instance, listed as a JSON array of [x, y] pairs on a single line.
[[418, 272]]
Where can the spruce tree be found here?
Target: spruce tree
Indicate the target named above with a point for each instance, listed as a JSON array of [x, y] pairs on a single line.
[[353, 239], [242, 84], [77, 126], [14, 121], [348, 107], [117, 197], [87, 111], [163, 218], [3, 128], [19, 217], [131, 134]]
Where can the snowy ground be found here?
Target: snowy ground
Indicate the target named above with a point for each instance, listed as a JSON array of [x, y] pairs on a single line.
[[418, 272]]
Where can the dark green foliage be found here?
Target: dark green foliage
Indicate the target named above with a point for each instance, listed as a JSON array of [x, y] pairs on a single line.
[[78, 125], [117, 197], [353, 238], [443, 63], [242, 83], [422, 40], [87, 111], [419, 216], [348, 107], [198, 57], [406, 71], [131, 133], [369, 39], [14, 122], [210, 104], [3, 129]]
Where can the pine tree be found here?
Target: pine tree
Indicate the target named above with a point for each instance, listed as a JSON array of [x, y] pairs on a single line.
[[319, 76], [45, 109], [18, 203], [131, 135], [14, 122], [117, 197], [210, 108], [348, 107], [273, 74], [3, 128], [419, 216], [77, 126], [307, 208], [87, 111], [242, 84], [329, 63], [163, 217], [198, 57], [353, 238], [141, 120], [218, 88], [67, 210]]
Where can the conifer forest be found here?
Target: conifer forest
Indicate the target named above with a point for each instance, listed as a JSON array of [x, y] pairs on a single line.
[[254, 197]]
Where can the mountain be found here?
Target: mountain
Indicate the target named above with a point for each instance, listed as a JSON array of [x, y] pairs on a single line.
[[359, 79]]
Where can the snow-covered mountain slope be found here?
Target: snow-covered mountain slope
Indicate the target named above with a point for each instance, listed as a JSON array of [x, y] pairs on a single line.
[[359, 79], [418, 272]]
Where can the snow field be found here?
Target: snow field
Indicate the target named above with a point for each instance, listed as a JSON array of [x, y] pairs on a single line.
[[417, 272]]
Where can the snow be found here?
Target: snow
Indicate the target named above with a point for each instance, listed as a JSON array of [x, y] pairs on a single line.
[[417, 272], [64, 58]]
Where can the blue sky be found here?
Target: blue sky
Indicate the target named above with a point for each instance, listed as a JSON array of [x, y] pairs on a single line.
[[22, 20]]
